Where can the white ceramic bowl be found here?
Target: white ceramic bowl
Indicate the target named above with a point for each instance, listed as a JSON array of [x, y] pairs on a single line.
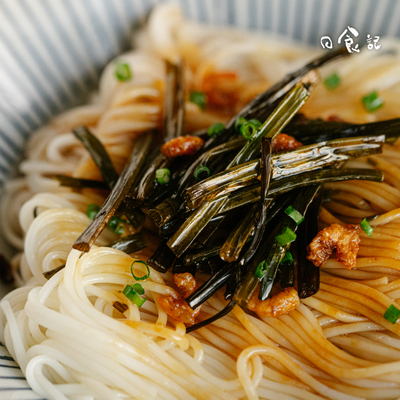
[[52, 53]]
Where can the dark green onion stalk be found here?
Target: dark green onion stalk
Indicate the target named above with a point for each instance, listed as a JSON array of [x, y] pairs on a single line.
[[182, 239], [148, 181], [311, 131], [193, 257], [179, 267], [257, 107], [263, 205], [190, 229], [79, 183], [205, 291], [174, 118], [261, 107], [307, 272], [197, 221], [103, 161], [278, 119], [239, 236], [174, 101], [228, 308], [130, 244], [167, 209], [274, 256], [286, 270], [273, 219], [302, 203], [117, 195], [162, 259], [99, 155], [53, 271], [251, 194], [290, 163]]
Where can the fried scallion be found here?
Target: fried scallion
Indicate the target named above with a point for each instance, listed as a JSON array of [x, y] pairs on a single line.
[[53, 271], [307, 272], [192, 257], [238, 237], [162, 259], [226, 310], [261, 104], [99, 155], [306, 158], [259, 108], [103, 161], [207, 289], [274, 256], [305, 198], [189, 230], [174, 117], [166, 210], [279, 118], [79, 183], [174, 101], [197, 221], [311, 131], [263, 205], [118, 193], [251, 194], [286, 270], [130, 244]]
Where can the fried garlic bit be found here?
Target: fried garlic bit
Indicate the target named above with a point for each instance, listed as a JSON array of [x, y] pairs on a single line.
[[280, 304], [175, 305], [185, 283], [182, 146], [284, 142], [221, 89], [345, 239]]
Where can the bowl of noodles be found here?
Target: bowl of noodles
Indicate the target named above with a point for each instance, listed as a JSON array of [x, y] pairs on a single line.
[[200, 200]]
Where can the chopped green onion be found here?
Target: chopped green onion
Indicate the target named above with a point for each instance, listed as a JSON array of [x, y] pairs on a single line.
[[140, 278], [287, 259], [163, 175], [332, 82], [138, 288], [115, 225], [260, 269], [392, 314], [372, 102], [255, 122], [248, 129], [199, 98], [123, 72], [366, 227], [133, 293], [201, 172], [216, 129], [92, 210], [295, 215], [285, 238], [239, 122]]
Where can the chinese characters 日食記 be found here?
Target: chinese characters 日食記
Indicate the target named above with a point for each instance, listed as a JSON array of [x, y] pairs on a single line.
[[347, 37]]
